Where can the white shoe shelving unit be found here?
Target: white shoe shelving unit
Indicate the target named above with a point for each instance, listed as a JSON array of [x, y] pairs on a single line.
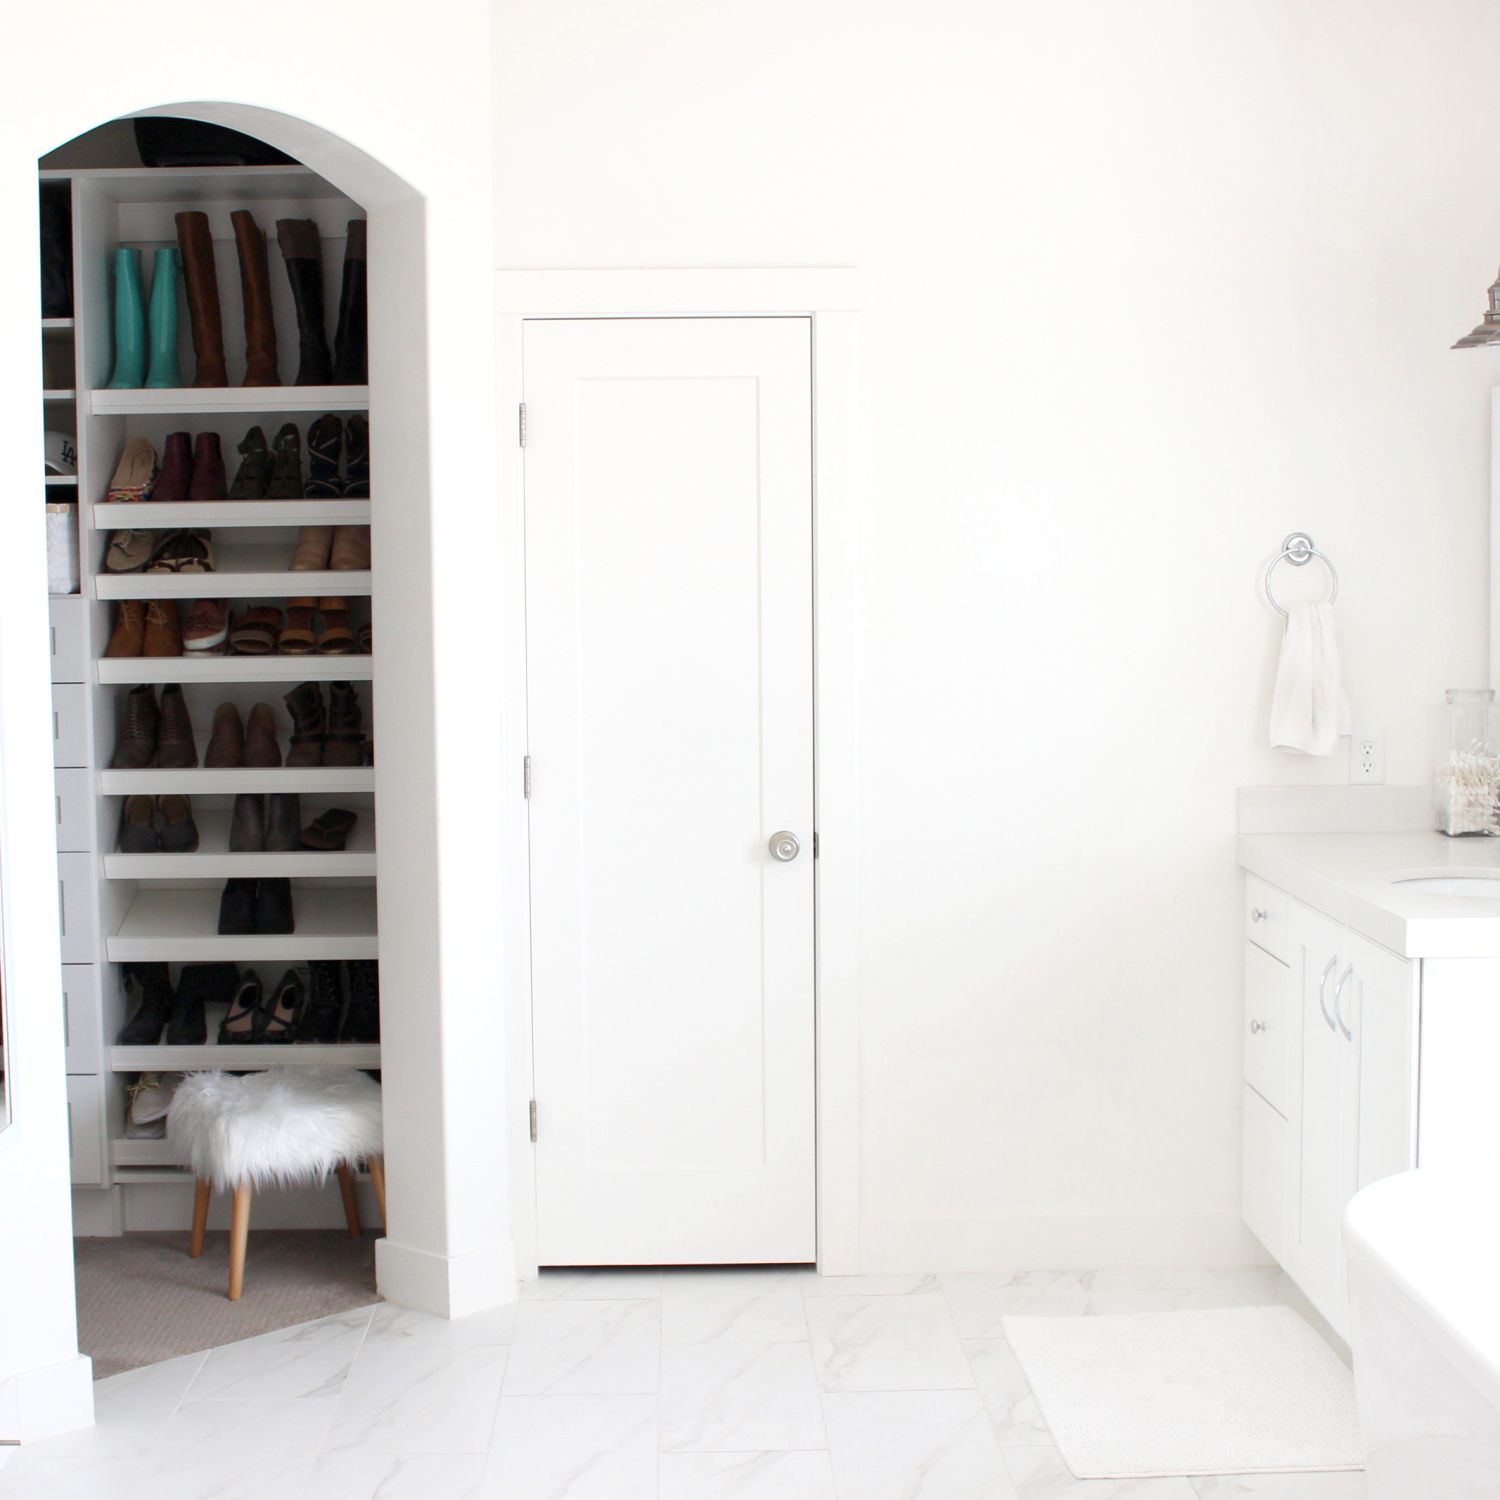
[[119, 908]]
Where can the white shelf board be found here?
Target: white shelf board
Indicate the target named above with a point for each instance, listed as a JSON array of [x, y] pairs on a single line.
[[57, 325], [241, 1058], [195, 184], [182, 926], [240, 572], [60, 480], [205, 401], [59, 395], [200, 781], [214, 861], [172, 514], [134, 669]]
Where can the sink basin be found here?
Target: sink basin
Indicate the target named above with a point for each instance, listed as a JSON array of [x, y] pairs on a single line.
[[1477, 883]]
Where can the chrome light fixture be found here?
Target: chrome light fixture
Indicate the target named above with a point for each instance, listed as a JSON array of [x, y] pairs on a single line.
[[1489, 330]]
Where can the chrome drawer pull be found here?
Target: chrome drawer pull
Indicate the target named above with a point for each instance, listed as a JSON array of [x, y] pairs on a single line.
[[1257, 915], [1338, 1003], [1257, 1026], [1322, 991]]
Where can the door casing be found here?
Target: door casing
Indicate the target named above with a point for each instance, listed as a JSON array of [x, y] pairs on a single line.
[[830, 298]]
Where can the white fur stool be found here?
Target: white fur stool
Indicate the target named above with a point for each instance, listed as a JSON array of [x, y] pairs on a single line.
[[285, 1127]]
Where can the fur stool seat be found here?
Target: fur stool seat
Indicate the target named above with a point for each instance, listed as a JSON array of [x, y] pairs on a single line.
[[286, 1127]]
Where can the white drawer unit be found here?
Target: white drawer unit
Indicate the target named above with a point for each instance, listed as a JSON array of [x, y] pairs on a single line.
[[1266, 918], [81, 1012], [76, 810], [1264, 1185], [1269, 1034], [70, 725], [78, 908], [86, 1130], [69, 639]]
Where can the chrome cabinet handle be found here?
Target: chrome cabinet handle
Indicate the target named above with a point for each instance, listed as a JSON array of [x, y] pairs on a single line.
[[1338, 1003], [785, 846], [1257, 1026], [1257, 915], [1322, 991]]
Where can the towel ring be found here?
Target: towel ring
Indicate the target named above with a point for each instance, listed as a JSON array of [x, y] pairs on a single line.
[[1298, 550]]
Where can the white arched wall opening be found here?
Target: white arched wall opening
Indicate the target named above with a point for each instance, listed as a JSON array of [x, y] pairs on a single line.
[[422, 172]]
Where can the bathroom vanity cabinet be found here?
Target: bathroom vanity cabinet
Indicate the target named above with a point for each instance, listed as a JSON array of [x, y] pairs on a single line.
[[1359, 1062]]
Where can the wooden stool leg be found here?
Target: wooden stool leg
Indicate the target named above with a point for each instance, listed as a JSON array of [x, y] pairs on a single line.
[[351, 1203], [201, 1196], [376, 1164], [239, 1234]]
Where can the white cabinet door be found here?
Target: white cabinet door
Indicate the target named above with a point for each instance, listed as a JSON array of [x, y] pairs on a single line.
[[1381, 1010], [669, 684], [1329, 1111]]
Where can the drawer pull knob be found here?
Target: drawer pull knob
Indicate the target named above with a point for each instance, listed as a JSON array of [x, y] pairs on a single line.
[[1257, 1026], [1257, 915]]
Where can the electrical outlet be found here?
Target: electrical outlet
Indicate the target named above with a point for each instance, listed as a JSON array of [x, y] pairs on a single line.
[[1366, 759]]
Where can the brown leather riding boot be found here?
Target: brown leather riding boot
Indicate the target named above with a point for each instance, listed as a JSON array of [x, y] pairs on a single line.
[[202, 283], [255, 283]]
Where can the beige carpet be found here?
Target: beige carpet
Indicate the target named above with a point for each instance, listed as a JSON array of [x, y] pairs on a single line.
[[141, 1298]]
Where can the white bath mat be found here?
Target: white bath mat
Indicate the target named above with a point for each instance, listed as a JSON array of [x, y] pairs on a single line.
[[1240, 1390]]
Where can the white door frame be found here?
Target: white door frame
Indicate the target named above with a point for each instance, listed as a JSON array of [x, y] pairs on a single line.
[[830, 299]]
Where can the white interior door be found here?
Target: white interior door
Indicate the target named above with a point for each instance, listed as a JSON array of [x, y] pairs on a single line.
[[669, 684]]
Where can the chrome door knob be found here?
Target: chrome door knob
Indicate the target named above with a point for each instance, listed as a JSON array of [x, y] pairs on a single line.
[[1257, 1026], [1257, 915], [784, 846]]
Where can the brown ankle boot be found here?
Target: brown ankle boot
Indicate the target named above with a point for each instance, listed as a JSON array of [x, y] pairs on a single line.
[[226, 745], [163, 628], [202, 283], [255, 283], [135, 748], [261, 749], [343, 745], [128, 638], [309, 724], [175, 749]]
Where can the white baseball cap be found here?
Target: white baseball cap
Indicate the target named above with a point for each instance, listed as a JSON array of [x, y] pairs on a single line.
[[62, 453]]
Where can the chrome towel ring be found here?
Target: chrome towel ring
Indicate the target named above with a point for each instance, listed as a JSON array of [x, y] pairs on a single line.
[[1298, 550]]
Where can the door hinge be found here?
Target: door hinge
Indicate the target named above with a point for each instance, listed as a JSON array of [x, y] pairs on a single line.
[[526, 777], [523, 424], [533, 1121], [815, 843]]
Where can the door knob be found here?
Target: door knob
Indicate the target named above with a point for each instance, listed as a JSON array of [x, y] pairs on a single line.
[[1257, 1026], [785, 846]]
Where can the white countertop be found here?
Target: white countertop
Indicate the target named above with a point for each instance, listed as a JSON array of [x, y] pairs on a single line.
[[1348, 876]]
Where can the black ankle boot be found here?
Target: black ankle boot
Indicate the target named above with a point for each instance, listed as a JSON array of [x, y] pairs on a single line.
[[199, 985], [237, 908], [283, 821], [309, 724], [325, 1009], [247, 824], [357, 458], [273, 907], [302, 251], [150, 986], [362, 1019], [325, 448]]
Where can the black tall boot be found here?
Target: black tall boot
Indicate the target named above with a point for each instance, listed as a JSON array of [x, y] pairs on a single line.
[[350, 342], [302, 250], [57, 250], [150, 985], [325, 1009], [362, 1019]]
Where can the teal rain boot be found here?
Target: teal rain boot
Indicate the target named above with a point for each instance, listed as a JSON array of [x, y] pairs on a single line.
[[130, 323], [165, 371]]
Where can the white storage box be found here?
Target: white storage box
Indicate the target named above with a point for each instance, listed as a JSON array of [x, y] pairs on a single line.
[[62, 549]]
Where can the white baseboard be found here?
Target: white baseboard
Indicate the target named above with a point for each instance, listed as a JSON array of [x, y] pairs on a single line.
[[37, 1404], [447, 1286], [1058, 1242]]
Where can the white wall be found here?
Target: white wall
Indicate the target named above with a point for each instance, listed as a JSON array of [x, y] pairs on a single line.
[[1149, 286]]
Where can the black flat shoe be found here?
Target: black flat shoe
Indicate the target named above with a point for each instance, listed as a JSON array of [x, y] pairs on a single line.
[[241, 1023], [281, 1014]]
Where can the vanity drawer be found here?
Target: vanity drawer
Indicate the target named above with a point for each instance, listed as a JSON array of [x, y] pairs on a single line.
[[1266, 923], [86, 1129], [80, 993], [1264, 1184], [70, 725], [1268, 1027], [70, 656], [75, 811], [78, 908]]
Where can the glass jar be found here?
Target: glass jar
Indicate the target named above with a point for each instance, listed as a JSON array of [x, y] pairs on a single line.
[[1466, 786]]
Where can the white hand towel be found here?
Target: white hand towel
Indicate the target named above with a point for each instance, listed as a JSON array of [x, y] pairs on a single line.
[[1309, 710]]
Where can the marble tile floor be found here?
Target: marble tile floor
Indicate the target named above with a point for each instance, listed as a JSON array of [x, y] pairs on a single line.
[[766, 1384]]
